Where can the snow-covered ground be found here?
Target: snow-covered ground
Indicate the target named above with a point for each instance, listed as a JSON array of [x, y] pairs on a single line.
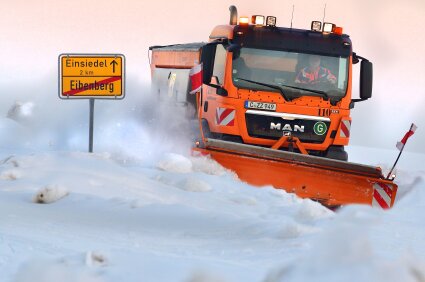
[[142, 209]]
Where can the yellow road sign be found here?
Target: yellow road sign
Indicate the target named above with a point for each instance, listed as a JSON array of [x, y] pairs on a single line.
[[91, 76]]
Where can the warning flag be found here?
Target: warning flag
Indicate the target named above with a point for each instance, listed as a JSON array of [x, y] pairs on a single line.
[[400, 145], [195, 75]]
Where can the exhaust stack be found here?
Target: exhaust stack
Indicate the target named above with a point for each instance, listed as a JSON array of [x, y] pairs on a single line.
[[233, 15]]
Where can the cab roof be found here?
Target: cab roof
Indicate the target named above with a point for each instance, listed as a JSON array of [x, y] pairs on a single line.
[[281, 38]]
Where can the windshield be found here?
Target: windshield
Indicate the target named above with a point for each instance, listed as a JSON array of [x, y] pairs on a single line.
[[297, 74]]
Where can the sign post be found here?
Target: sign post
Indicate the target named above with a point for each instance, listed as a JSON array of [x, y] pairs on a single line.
[[91, 76], [91, 125]]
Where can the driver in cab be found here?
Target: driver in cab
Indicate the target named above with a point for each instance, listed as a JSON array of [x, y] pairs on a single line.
[[314, 73]]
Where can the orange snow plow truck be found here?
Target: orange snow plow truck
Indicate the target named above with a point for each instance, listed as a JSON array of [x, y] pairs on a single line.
[[275, 106]]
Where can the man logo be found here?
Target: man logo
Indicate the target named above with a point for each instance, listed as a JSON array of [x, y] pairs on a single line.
[[286, 127]]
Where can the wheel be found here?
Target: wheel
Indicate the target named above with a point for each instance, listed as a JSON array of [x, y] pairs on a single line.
[[206, 129]]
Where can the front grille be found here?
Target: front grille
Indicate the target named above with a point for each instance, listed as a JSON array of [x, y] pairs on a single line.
[[260, 126]]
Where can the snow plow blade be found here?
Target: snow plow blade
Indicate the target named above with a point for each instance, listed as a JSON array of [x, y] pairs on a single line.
[[331, 182]]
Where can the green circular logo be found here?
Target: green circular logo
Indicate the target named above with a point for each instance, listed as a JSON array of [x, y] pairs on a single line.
[[320, 128]]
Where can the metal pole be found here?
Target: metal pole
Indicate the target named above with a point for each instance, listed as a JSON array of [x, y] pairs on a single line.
[[401, 151], [396, 161], [91, 125]]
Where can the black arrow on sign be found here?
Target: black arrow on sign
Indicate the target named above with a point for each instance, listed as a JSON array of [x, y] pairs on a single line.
[[113, 63]]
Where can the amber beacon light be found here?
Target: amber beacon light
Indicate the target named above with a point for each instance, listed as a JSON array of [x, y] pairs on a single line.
[[243, 21], [258, 20]]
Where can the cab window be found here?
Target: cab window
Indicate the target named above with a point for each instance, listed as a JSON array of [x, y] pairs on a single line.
[[219, 63]]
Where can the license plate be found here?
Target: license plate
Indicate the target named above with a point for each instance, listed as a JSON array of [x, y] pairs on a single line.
[[260, 106]]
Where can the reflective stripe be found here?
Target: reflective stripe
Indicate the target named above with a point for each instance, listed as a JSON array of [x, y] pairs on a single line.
[[225, 116], [345, 129], [382, 194], [387, 189]]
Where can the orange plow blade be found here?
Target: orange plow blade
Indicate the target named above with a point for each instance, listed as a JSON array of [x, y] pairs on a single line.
[[330, 182]]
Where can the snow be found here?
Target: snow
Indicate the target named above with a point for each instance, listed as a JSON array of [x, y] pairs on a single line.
[[185, 218], [175, 163], [143, 208], [50, 194], [140, 218]]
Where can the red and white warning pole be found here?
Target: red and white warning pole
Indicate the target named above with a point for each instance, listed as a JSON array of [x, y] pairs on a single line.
[[400, 145], [195, 75]]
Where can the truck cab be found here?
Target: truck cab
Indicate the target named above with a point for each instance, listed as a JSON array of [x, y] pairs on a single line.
[[262, 82]]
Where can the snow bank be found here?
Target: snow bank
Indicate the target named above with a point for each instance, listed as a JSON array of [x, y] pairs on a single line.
[[209, 166], [48, 270], [204, 276], [202, 216], [50, 194], [96, 258], [10, 174], [9, 169], [407, 269], [175, 163], [206, 219], [365, 244], [193, 184], [292, 229]]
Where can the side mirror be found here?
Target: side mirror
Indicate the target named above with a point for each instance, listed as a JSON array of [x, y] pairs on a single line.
[[207, 59], [366, 78], [220, 90], [356, 58]]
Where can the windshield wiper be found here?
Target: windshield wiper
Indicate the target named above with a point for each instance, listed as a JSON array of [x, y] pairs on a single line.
[[279, 87], [273, 86], [321, 93]]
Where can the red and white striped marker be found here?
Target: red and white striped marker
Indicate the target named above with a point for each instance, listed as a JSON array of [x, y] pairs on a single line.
[[409, 133], [195, 75], [225, 116], [345, 128], [382, 195], [400, 146]]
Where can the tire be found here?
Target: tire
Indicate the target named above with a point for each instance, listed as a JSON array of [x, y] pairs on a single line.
[[206, 128]]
